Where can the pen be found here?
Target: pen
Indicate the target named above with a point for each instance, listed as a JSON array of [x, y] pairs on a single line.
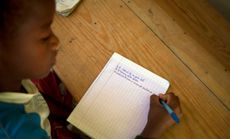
[[170, 111]]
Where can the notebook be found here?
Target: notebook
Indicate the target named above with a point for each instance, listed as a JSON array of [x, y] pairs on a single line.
[[116, 104]]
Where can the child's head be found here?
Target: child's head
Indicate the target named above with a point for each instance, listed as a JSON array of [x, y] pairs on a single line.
[[28, 46]]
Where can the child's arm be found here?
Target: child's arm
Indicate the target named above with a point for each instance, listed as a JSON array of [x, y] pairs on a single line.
[[159, 120]]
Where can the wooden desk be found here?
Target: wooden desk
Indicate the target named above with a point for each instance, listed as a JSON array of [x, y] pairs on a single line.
[[159, 36]]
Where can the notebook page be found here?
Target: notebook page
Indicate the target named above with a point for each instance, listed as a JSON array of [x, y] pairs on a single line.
[[116, 104]]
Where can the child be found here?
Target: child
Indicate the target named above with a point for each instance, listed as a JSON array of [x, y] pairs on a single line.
[[28, 48]]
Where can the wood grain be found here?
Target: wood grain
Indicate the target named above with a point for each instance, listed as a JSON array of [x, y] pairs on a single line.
[[98, 28], [196, 33]]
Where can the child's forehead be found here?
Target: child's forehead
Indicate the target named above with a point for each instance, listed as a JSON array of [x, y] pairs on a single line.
[[29, 5], [31, 17], [41, 7], [24, 16], [40, 12], [22, 10]]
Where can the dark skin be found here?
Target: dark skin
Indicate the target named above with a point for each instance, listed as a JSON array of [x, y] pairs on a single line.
[[32, 53], [159, 120]]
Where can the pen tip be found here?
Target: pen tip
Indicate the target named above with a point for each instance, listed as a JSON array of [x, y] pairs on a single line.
[[175, 118]]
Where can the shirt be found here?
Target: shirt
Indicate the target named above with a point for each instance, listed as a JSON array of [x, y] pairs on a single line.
[[24, 115]]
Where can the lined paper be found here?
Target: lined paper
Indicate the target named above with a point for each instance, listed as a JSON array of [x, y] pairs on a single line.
[[117, 103]]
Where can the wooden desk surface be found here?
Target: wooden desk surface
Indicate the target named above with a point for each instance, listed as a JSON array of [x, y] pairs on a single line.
[[185, 42]]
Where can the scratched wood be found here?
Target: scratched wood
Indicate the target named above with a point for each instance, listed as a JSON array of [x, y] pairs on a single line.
[[196, 33], [98, 28]]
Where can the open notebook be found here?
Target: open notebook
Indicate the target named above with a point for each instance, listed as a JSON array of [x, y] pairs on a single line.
[[116, 105]]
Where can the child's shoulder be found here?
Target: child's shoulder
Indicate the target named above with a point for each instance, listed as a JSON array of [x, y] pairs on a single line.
[[16, 123], [23, 115]]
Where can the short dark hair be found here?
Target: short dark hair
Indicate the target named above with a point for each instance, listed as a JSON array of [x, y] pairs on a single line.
[[12, 15]]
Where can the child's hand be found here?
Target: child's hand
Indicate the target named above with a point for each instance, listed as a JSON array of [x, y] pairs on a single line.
[[159, 120]]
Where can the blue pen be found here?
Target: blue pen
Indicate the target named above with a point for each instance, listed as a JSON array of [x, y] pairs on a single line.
[[170, 111]]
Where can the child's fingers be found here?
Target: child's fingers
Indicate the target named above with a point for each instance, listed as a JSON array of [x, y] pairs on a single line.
[[154, 99], [171, 99], [166, 97]]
